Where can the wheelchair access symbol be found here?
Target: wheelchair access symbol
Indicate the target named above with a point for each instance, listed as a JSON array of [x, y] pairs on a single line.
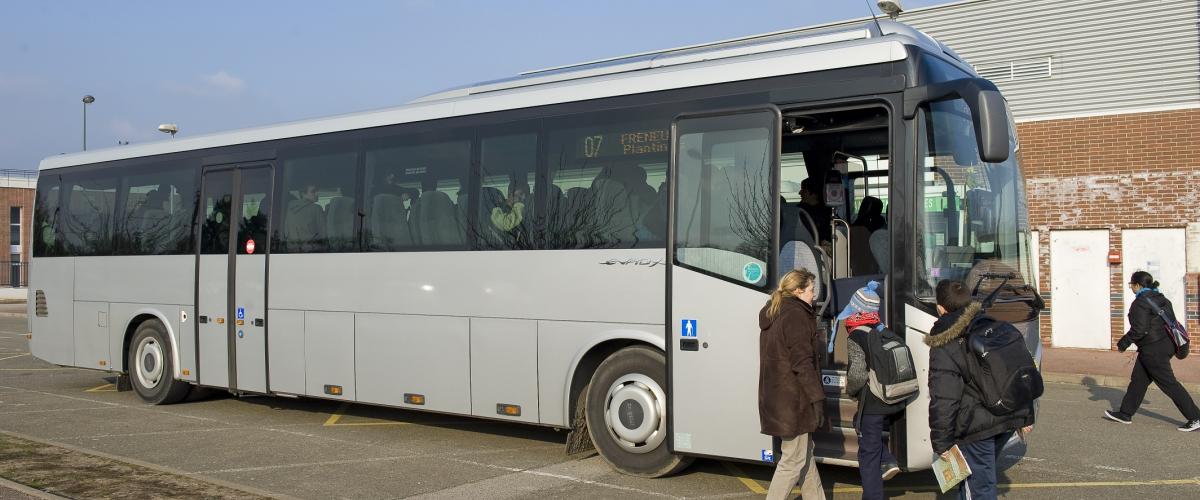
[[688, 329]]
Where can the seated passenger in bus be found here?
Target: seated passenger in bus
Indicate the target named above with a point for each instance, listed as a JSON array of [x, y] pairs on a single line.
[[305, 224], [812, 203], [511, 213], [870, 219]]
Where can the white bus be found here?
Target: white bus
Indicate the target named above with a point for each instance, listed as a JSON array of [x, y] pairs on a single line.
[[588, 244]]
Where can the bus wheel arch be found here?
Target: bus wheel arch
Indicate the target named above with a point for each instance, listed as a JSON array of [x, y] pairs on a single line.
[[626, 412], [148, 351]]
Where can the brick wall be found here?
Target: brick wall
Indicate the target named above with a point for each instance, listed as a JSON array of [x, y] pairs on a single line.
[[1139, 170], [15, 197]]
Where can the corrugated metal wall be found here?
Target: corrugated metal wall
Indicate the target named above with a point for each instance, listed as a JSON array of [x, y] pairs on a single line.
[[1059, 58]]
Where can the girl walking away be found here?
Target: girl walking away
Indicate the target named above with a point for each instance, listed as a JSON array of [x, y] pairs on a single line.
[[790, 395], [1155, 350]]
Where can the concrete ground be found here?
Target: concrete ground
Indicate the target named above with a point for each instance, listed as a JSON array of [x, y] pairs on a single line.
[[321, 449]]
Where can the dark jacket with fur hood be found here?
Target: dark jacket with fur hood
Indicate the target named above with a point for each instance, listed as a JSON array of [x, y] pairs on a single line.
[[956, 413], [790, 394]]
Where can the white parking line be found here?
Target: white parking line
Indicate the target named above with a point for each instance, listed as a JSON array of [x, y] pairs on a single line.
[[57, 410], [1117, 469], [137, 434], [563, 477]]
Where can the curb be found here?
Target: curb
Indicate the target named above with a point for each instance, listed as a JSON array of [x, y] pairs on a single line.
[[1111, 381], [148, 465], [33, 492]]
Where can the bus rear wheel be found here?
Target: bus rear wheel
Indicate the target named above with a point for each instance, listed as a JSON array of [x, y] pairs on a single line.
[[627, 413], [151, 369]]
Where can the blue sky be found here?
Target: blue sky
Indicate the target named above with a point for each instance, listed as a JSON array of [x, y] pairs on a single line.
[[221, 65]]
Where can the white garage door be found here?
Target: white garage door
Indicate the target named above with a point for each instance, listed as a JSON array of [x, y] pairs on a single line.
[[1079, 285], [1160, 252]]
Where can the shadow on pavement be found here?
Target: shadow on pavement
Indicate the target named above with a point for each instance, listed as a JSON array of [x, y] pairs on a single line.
[[1113, 397]]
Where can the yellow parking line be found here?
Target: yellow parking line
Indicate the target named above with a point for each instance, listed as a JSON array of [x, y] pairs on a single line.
[[103, 388], [341, 410], [337, 415], [741, 476]]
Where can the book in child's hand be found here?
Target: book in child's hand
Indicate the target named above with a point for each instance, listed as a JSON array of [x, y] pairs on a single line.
[[951, 472]]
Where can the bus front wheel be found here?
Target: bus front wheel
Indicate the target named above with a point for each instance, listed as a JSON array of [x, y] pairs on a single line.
[[151, 369], [627, 413]]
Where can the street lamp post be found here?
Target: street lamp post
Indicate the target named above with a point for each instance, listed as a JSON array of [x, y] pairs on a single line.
[[87, 99]]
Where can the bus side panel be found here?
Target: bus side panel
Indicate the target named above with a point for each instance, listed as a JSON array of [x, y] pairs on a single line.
[[145, 279], [53, 334], [562, 344], [504, 367], [285, 343], [399, 354], [916, 417], [611, 286], [329, 354], [156, 284]]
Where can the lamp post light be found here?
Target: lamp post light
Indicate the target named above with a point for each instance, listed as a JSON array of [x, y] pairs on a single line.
[[169, 128], [87, 99]]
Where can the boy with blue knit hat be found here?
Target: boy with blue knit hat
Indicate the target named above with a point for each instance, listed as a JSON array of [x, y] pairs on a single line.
[[875, 462]]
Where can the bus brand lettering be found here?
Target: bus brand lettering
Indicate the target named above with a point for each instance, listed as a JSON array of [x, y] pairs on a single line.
[[633, 262]]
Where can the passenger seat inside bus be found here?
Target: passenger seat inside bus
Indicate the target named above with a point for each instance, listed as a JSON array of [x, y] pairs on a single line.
[[436, 223], [388, 224], [339, 223]]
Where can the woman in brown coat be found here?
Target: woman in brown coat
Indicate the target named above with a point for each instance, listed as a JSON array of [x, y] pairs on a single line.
[[790, 396]]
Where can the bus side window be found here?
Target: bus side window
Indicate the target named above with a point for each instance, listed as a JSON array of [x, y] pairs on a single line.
[[317, 212], [414, 187]]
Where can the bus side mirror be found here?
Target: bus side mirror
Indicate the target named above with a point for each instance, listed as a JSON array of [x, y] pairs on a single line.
[[989, 111], [989, 114]]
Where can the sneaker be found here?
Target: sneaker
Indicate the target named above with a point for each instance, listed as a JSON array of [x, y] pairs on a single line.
[[1117, 416], [890, 471], [1190, 426]]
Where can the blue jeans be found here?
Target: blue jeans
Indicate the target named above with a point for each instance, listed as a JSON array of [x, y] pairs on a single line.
[[872, 453], [983, 456]]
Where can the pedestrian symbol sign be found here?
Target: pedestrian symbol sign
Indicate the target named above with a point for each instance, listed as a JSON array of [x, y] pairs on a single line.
[[688, 329]]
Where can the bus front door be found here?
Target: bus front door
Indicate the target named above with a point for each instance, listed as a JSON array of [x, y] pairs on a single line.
[[722, 250], [231, 277]]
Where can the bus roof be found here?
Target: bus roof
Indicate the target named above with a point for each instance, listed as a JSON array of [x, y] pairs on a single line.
[[801, 50]]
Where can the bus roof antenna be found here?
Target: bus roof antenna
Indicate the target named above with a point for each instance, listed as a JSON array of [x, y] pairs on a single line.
[[876, 19]]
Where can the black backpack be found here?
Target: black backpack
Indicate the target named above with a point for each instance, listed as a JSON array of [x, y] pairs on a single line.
[[1001, 367], [891, 375]]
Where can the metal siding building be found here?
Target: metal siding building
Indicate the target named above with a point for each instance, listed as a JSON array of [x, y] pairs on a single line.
[[1070, 58]]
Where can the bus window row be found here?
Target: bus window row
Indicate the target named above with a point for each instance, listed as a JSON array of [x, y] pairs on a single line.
[[605, 188]]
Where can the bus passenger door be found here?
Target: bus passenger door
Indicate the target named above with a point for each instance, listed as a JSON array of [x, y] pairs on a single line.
[[724, 217], [231, 285]]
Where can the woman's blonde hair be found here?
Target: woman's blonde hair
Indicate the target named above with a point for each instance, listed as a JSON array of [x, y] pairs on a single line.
[[798, 279]]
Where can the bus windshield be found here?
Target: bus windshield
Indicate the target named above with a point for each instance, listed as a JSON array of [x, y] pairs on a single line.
[[973, 224]]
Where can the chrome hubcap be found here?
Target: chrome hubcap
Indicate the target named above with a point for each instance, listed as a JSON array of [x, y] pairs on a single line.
[[635, 413], [149, 362]]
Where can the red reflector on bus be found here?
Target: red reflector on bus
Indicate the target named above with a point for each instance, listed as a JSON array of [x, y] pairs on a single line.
[[333, 390], [414, 399], [508, 410]]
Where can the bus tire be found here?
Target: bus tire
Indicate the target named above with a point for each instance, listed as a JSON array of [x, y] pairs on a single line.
[[626, 413], [151, 369]]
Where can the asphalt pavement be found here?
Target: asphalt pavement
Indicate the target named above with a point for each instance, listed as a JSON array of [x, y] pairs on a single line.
[[303, 448]]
